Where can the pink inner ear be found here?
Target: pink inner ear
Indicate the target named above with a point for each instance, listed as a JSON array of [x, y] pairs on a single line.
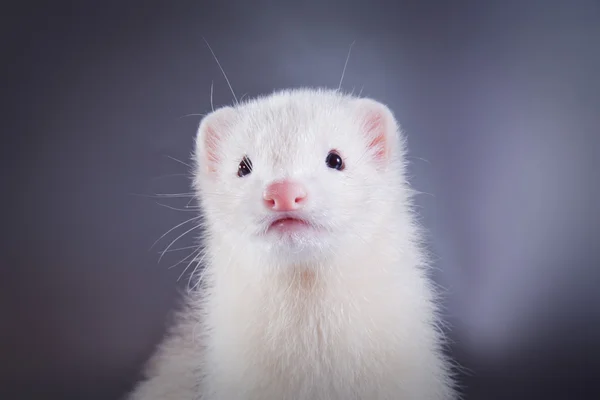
[[211, 148], [375, 130]]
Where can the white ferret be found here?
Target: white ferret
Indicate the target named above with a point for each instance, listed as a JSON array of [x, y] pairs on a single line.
[[314, 284]]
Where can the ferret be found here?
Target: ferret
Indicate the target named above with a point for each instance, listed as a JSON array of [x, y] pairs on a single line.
[[314, 283]]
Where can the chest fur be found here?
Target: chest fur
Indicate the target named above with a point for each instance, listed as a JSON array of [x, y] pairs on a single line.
[[305, 341]]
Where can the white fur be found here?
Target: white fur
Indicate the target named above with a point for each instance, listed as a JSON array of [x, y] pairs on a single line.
[[347, 315]]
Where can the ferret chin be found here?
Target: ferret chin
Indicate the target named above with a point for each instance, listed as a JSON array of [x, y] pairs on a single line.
[[314, 284]]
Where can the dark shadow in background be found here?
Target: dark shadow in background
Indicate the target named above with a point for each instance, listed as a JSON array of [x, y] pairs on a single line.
[[501, 104]]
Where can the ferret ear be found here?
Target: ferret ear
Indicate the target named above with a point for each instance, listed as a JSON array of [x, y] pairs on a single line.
[[213, 129], [379, 126]]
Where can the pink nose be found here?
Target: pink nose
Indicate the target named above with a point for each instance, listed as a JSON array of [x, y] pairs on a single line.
[[285, 196]]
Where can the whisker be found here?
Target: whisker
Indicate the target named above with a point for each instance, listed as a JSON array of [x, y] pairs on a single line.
[[189, 201], [198, 263], [180, 248], [419, 158], [163, 195], [177, 238], [191, 209], [361, 90], [183, 260], [199, 280], [179, 161], [345, 65], [173, 194], [173, 228], [212, 107], [192, 115], [222, 70], [418, 193]]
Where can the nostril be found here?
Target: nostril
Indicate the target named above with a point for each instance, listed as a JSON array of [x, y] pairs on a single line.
[[269, 202], [300, 196]]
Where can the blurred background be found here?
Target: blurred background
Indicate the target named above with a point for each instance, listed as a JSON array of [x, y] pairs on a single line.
[[501, 104]]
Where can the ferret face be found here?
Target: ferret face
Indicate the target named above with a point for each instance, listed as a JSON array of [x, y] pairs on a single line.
[[298, 176]]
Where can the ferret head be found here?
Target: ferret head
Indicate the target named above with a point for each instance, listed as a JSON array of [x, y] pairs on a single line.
[[299, 176]]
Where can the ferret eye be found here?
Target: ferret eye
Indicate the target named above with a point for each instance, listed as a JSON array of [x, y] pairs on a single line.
[[245, 167], [334, 161]]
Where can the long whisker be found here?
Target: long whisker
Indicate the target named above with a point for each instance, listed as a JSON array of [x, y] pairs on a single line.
[[172, 229], [345, 65], [173, 195], [180, 248], [222, 70], [198, 263], [198, 281], [192, 115], [212, 107], [190, 209], [176, 239], [179, 161], [164, 195], [183, 260]]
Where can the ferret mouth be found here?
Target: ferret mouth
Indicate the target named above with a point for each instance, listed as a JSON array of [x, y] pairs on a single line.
[[289, 224]]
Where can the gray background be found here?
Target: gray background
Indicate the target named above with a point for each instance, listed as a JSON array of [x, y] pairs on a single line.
[[501, 104]]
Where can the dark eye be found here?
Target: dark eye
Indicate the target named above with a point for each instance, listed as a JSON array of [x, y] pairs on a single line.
[[334, 161], [245, 167]]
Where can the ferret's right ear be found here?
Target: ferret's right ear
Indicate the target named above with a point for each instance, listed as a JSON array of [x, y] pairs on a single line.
[[213, 129]]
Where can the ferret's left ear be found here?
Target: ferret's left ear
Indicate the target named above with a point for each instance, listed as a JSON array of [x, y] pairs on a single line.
[[380, 128]]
